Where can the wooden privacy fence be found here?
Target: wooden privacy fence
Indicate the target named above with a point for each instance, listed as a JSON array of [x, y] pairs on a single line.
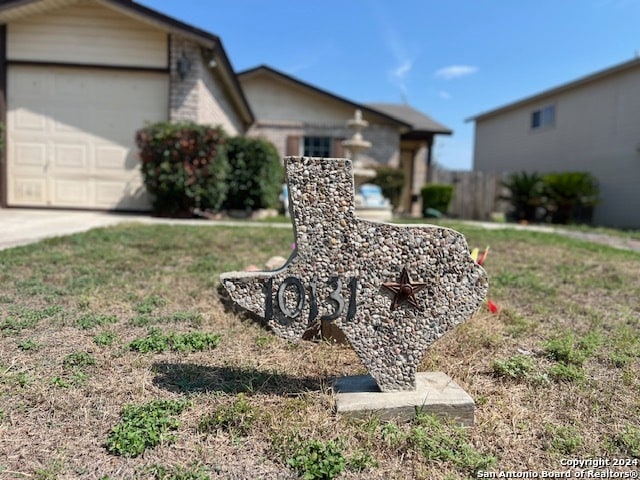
[[475, 196]]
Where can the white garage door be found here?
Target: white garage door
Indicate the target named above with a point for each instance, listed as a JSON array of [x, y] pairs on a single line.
[[70, 135]]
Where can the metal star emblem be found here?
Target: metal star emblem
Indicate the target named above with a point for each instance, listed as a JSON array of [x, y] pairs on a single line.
[[405, 290]]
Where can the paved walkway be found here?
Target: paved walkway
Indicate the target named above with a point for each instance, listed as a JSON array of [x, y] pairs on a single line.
[[595, 237], [21, 226]]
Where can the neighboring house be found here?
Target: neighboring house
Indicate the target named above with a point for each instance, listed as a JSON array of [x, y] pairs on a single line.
[[591, 124], [79, 77], [301, 119]]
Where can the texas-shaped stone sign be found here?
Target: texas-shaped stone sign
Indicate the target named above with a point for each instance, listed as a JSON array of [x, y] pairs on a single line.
[[391, 289]]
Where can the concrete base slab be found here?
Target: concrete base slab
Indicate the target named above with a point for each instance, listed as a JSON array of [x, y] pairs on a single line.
[[436, 393]]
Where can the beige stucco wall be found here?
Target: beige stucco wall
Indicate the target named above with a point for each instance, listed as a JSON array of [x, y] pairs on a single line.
[[596, 129], [200, 96], [283, 109], [274, 101], [86, 33]]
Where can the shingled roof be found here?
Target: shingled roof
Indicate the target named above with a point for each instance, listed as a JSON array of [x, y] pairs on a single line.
[[406, 113]]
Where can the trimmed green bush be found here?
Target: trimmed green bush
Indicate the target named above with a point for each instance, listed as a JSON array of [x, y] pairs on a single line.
[[436, 196], [571, 196], [184, 167], [256, 174], [391, 181]]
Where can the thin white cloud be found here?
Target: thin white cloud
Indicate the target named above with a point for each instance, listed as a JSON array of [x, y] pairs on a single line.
[[455, 71], [444, 95], [402, 55], [401, 71]]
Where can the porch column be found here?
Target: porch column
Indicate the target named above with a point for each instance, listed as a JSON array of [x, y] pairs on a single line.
[[429, 178]]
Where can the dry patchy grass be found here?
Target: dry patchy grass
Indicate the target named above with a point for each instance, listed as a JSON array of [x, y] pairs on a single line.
[[554, 374]]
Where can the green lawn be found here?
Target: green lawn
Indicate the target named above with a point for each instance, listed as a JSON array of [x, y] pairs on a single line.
[[118, 359]]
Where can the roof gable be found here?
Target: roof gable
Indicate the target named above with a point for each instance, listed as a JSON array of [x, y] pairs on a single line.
[[264, 72]]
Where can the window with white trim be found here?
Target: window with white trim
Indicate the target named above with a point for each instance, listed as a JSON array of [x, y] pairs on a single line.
[[544, 117], [317, 147]]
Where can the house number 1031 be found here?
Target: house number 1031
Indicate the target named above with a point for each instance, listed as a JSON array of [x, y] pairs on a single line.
[[294, 284]]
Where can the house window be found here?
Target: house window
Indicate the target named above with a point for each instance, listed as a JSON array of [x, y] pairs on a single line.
[[544, 117], [317, 146]]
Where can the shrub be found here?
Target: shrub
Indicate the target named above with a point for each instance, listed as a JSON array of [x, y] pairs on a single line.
[[184, 167], [571, 196], [526, 195], [391, 181], [256, 174], [437, 197]]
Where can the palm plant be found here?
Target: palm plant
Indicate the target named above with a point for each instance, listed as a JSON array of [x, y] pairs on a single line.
[[571, 196], [526, 195]]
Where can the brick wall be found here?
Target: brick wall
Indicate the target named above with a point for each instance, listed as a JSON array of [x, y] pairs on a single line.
[[199, 96]]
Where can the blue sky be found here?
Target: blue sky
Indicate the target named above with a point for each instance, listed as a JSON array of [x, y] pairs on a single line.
[[450, 59]]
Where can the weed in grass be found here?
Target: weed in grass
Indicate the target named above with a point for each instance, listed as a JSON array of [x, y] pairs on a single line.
[[571, 351], [78, 361], [517, 325], [194, 319], [154, 342], [392, 435], [34, 287], [21, 379], [570, 373], [178, 472], [629, 440], [264, 339], [564, 440], [150, 304], [157, 342], [541, 379], [629, 376], [625, 346], [21, 318], [315, 459], [517, 366], [194, 341], [142, 320], [620, 359], [28, 345], [144, 426], [52, 472], [76, 379], [105, 339], [92, 320], [236, 418], [436, 441], [360, 460]]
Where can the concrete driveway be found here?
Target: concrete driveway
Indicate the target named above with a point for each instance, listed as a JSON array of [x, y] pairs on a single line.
[[21, 226]]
